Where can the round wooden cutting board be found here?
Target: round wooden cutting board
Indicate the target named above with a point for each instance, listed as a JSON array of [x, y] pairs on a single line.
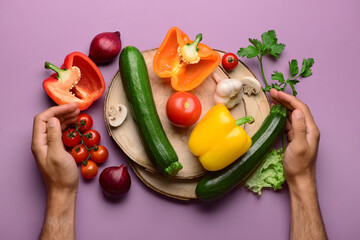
[[182, 186]]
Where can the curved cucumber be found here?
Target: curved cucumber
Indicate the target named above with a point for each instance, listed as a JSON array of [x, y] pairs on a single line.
[[136, 83], [217, 184]]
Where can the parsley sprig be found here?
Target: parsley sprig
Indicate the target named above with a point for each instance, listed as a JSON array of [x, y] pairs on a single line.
[[269, 46]]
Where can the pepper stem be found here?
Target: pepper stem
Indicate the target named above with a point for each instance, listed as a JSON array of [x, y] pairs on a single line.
[[247, 119], [189, 52], [197, 41], [51, 66]]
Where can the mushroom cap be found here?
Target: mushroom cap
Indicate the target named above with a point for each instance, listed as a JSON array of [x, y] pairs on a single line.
[[117, 115], [251, 85]]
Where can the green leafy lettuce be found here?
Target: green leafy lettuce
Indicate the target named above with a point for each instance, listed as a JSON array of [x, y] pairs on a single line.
[[270, 174]]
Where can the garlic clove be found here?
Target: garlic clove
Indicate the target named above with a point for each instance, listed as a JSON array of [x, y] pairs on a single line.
[[216, 77], [229, 87], [220, 99], [237, 84], [224, 89], [233, 101]]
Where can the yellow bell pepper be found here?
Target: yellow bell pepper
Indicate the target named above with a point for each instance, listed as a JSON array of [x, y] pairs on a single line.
[[218, 140]]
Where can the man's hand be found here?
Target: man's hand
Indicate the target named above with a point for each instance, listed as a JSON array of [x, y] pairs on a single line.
[[56, 165], [299, 168], [58, 169], [303, 136]]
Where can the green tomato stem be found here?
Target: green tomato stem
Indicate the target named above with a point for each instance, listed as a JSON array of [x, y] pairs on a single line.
[[82, 143]]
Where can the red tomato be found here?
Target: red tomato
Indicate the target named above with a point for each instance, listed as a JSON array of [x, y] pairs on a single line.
[[229, 61], [91, 138], [90, 170], [84, 121], [99, 154], [79, 153], [71, 138], [183, 109]]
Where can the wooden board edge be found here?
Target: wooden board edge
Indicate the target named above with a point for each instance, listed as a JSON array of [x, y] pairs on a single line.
[[134, 165]]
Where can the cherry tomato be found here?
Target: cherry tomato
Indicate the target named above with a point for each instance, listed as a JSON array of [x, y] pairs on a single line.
[[84, 121], [79, 153], [71, 138], [183, 109], [99, 154], [90, 170], [91, 138], [229, 61]]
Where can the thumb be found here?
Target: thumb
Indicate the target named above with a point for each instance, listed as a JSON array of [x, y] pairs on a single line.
[[299, 125], [54, 134]]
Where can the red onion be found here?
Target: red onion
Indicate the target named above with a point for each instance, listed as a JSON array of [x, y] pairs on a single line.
[[115, 181], [105, 47]]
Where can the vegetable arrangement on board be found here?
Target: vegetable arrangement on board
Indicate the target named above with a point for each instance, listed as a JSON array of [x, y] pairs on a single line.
[[221, 145], [231, 159]]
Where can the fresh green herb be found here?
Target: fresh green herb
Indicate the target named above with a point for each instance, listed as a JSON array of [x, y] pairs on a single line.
[[269, 46]]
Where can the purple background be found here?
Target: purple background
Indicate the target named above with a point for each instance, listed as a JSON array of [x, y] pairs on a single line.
[[33, 32]]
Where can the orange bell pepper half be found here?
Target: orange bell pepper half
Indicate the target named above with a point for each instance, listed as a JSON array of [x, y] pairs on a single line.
[[78, 80], [187, 63]]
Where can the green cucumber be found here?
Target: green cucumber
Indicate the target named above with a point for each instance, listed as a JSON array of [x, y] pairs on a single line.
[[135, 79], [217, 184]]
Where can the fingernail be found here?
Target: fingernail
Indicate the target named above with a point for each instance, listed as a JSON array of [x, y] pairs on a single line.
[[52, 122], [298, 114]]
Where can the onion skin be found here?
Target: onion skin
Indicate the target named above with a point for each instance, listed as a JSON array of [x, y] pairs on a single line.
[[115, 181], [105, 47]]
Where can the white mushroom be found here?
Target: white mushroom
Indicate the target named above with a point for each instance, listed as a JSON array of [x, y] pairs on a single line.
[[117, 115], [251, 85]]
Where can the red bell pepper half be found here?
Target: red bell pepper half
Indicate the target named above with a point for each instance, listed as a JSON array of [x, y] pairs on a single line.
[[78, 80]]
